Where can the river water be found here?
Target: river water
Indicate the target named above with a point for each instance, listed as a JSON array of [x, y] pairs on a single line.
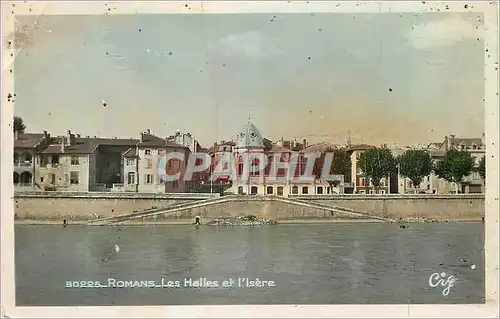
[[334, 263]]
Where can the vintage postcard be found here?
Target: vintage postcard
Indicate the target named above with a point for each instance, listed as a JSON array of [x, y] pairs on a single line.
[[257, 159]]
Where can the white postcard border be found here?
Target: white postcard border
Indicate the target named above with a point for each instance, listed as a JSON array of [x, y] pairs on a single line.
[[490, 12]]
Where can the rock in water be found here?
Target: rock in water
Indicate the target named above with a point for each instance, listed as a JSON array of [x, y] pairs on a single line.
[[117, 248]]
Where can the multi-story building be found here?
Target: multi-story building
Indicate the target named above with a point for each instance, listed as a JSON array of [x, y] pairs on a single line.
[[26, 148], [185, 139], [432, 184], [250, 143], [75, 163], [66, 163], [143, 167], [362, 184], [477, 149]]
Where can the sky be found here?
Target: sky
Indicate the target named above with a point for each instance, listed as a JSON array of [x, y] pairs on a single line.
[[382, 78]]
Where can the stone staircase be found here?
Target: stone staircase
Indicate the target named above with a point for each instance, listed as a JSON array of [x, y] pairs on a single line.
[[173, 209]]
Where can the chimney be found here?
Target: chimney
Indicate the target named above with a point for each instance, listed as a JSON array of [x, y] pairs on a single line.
[[78, 135], [63, 143], [304, 142], [68, 137], [45, 135], [148, 131], [16, 134], [142, 138], [452, 135]]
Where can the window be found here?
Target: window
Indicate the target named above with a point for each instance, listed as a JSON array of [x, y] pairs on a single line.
[[328, 190], [381, 191], [148, 163], [428, 186], [41, 179], [476, 175], [240, 190], [295, 190], [131, 178], [147, 152], [175, 184], [148, 179], [253, 190], [74, 178], [75, 160], [371, 191], [320, 190], [362, 181], [269, 190], [428, 178], [280, 190], [305, 190], [362, 192], [55, 160], [130, 161]]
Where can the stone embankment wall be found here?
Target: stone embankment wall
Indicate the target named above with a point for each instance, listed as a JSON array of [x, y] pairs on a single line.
[[84, 206], [461, 206]]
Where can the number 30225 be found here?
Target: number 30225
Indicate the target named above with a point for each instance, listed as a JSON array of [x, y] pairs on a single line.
[[83, 284]]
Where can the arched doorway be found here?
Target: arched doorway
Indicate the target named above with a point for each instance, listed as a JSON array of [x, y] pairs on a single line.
[[240, 190], [26, 178], [269, 190], [16, 178], [253, 190], [295, 190]]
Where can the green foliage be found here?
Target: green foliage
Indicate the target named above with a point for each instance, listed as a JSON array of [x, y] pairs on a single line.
[[376, 163], [482, 167], [268, 145], [340, 165], [19, 125], [455, 166], [415, 165]]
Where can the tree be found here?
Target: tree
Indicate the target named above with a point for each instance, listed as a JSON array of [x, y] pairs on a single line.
[[19, 125], [268, 144], [415, 165], [376, 163], [340, 165], [455, 166], [482, 167]]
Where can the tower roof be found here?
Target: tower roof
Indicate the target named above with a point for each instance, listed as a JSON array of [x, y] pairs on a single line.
[[249, 137]]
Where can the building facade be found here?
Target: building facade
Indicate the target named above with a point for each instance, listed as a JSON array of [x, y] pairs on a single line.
[[249, 147], [362, 184]]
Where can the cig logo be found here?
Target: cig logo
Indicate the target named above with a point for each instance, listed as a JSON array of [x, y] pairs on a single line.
[[440, 279]]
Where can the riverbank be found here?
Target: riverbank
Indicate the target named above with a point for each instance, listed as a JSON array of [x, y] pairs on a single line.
[[57, 206], [190, 222]]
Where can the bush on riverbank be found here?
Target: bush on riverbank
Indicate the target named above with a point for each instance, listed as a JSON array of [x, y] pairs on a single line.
[[248, 220]]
